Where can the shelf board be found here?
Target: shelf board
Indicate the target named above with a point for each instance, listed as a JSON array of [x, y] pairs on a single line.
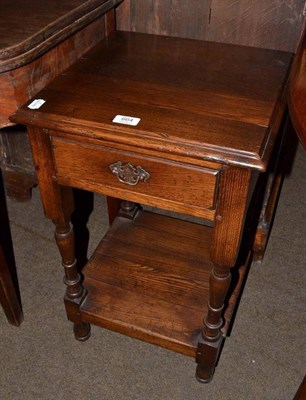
[[149, 279]]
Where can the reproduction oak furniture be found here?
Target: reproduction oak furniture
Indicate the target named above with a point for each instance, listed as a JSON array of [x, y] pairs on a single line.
[[63, 30], [185, 126]]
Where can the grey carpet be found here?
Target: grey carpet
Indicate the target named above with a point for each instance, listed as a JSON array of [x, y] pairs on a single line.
[[264, 359]]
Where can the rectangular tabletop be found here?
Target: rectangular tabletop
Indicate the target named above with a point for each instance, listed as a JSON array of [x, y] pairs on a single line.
[[202, 99]]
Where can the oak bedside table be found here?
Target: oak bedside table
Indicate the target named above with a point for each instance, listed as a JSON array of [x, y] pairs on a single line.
[[186, 126]]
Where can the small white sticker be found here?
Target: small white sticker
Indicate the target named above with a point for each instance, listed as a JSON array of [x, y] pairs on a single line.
[[36, 104], [123, 119]]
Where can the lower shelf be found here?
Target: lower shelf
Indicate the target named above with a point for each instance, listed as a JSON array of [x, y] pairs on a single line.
[[149, 279]]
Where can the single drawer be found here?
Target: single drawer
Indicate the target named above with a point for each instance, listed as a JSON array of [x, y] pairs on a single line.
[[130, 176]]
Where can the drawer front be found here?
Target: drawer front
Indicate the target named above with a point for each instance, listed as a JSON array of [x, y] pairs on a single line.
[[157, 182]]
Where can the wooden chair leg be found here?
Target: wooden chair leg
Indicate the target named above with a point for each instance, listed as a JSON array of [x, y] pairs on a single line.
[[8, 295]]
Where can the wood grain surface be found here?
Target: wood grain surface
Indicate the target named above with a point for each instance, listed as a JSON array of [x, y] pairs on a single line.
[[166, 186], [29, 29], [19, 85], [206, 100], [274, 24], [149, 279]]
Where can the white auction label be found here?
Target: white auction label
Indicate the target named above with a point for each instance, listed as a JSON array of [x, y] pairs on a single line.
[[36, 104], [124, 119]]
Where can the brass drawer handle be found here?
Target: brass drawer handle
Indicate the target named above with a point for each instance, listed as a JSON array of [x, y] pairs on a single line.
[[129, 174]]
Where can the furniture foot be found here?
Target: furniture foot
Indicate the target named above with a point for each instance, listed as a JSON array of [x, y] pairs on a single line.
[[81, 331], [211, 339], [206, 358], [204, 375], [75, 293], [260, 243]]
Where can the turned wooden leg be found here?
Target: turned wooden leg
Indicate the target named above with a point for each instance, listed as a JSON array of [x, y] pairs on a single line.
[[75, 293], [58, 205], [211, 339], [229, 223]]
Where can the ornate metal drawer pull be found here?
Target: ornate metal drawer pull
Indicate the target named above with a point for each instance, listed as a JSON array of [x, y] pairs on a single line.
[[129, 174]]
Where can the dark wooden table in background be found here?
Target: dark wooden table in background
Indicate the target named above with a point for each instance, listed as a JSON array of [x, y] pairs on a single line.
[[38, 40]]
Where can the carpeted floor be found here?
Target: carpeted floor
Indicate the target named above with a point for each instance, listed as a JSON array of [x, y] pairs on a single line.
[[264, 359]]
